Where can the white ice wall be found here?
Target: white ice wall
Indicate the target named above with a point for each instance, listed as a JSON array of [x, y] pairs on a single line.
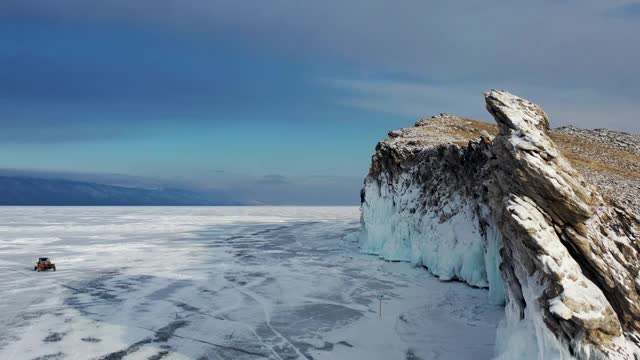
[[447, 240], [528, 338]]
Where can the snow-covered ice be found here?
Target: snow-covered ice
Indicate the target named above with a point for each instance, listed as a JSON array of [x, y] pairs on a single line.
[[223, 283]]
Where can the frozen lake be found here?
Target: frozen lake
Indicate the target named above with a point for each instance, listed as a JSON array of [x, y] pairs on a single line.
[[222, 283]]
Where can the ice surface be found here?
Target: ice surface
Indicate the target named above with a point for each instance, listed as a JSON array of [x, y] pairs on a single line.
[[222, 283]]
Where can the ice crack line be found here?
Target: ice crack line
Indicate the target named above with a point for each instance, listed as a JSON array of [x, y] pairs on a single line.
[[207, 342], [267, 319]]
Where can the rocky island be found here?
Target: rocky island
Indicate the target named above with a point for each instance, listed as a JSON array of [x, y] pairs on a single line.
[[547, 220]]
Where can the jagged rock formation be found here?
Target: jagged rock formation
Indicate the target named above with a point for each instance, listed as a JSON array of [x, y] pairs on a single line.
[[511, 213]]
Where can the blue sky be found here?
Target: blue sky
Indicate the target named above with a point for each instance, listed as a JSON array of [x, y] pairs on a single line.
[[285, 100]]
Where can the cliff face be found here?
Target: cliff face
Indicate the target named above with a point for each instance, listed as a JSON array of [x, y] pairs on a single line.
[[511, 213], [423, 202]]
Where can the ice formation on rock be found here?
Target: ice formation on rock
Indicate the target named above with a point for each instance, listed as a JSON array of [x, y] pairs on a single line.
[[418, 208], [510, 213]]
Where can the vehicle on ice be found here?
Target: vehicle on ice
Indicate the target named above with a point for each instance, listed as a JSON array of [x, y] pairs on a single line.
[[44, 264]]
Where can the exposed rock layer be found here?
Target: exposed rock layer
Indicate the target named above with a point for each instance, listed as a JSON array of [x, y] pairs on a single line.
[[569, 256]]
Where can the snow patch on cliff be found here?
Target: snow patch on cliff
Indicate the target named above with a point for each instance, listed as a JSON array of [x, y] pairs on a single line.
[[447, 240]]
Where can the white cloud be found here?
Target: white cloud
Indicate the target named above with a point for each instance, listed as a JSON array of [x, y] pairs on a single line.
[[406, 98], [583, 107]]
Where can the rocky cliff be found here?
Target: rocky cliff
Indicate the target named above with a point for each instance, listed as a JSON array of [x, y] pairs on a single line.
[[512, 208]]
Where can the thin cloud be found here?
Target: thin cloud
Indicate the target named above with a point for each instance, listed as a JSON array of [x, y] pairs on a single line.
[[273, 179], [580, 106], [405, 98], [626, 11]]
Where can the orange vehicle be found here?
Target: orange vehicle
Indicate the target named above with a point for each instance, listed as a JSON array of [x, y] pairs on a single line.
[[44, 264]]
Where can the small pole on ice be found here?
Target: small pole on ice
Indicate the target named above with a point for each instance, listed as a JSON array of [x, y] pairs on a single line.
[[380, 306]]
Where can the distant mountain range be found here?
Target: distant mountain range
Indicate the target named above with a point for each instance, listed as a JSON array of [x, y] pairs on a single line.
[[27, 190]]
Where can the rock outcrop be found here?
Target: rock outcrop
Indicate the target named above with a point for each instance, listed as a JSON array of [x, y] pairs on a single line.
[[422, 202], [504, 208]]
